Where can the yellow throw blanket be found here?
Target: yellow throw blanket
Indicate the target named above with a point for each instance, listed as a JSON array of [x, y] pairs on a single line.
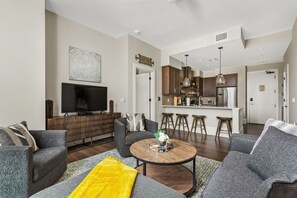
[[109, 178]]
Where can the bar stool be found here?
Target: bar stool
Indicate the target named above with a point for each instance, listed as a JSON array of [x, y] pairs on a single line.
[[222, 120], [181, 119], [167, 120], [201, 124]]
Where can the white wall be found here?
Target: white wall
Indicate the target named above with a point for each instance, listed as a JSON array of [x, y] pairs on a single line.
[[62, 33], [22, 62], [291, 59]]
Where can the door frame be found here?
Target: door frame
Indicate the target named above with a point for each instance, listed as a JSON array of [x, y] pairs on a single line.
[[152, 71], [286, 98], [276, 91]]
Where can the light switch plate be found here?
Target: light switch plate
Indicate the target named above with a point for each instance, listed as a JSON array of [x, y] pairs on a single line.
[[293, 100]]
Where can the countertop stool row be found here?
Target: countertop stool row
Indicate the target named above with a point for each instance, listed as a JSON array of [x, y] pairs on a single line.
[[182, 122], [198, 121]]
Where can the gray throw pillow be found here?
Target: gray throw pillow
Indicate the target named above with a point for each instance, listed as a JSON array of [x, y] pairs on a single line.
[[135, 122], [275, 153]]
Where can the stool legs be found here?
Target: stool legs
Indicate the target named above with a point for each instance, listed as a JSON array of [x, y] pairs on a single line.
[[201, 125], [219, 127]]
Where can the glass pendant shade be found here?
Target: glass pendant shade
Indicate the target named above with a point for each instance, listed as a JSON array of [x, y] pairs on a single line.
[[186, 82], [220, 79]]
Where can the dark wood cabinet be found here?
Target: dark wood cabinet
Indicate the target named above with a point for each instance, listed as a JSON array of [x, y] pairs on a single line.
[[231, 80], [170, 80], [209, 87], [82, 127], [199, 85]]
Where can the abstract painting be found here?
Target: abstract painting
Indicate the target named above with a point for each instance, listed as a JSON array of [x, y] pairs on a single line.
[[84, 65]]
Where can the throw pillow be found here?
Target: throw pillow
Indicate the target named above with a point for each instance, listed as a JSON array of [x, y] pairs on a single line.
[[275, 153], [135, 122], [283, 126], [17, 135]]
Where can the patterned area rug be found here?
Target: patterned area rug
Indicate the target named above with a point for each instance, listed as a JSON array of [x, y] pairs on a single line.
[[204, 168]]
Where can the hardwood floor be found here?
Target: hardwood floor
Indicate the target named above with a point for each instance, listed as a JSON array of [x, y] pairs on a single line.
[[206, 145]]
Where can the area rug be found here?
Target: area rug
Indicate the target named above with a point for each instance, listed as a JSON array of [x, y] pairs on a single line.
[[204, 168]]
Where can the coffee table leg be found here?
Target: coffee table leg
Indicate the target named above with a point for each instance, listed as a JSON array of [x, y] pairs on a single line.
[[137, 162], [194, 169], [144, 168]]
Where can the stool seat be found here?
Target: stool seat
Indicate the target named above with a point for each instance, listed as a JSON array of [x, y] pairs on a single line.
[[181, 120], [222, 120], [167, 114], [200, 119]]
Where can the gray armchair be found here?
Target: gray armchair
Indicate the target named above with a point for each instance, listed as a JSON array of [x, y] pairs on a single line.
[[123, 139], [24, 173]]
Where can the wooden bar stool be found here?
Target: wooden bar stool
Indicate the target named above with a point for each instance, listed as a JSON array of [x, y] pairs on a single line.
[[167, 120], [222, 120], [200, 119], [181, 119]]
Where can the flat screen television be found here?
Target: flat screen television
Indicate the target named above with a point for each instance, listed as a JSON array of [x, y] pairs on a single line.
[[83, 98]]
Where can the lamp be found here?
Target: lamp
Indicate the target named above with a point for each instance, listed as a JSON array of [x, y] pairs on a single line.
[[220, 78], [186, 82]]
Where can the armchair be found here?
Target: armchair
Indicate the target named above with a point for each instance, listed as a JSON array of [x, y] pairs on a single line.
[[24, 173], [123, 139]]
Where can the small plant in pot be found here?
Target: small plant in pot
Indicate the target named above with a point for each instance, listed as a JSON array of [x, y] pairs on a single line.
[[162, 139]]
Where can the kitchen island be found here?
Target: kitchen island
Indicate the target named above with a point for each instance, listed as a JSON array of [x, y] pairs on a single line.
[[211, 113]]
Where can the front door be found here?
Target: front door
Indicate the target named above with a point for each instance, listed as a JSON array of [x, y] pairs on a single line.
[[262, 96]]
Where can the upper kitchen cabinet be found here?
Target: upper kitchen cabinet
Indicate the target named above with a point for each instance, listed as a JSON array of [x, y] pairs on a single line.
[[170, 80], [199, 85], [209, 87], [230, 80]]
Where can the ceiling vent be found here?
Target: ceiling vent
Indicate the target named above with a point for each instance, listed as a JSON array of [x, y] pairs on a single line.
[[222, 36]]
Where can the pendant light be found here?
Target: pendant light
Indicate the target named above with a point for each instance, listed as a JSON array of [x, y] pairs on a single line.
[[220, 78], [186, 82]]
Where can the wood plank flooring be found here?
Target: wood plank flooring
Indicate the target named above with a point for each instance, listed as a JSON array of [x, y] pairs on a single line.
[[206, 145]]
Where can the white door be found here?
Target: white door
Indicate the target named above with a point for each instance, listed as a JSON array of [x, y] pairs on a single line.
[[143, 94], [262, 96], [286, 94]]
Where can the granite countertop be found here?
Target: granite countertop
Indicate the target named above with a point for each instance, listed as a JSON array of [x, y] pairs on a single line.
[[199, 107]]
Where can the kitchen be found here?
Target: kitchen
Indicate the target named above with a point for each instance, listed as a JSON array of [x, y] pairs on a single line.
[[187, 91]]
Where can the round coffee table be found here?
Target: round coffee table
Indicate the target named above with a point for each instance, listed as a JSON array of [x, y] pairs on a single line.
[[166, 167]]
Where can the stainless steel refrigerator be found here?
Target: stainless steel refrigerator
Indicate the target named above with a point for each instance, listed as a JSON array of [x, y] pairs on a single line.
[[226, 97]]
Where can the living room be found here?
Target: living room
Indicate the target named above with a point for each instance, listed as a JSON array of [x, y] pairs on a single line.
[[35, 52]]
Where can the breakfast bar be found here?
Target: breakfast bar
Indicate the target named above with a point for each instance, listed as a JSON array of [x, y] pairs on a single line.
[[211, 113]]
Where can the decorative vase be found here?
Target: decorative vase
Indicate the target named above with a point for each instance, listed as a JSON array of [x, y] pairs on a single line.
[[162, 146]]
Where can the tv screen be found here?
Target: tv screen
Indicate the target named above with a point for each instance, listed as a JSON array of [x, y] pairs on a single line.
[[83, 98]]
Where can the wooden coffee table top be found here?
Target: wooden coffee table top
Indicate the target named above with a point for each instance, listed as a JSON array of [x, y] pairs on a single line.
[[181, 153]]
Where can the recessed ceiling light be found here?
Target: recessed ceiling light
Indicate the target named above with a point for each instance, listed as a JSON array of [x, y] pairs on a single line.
[[200, 60], [171, 1], [137, 32], [260, 48]]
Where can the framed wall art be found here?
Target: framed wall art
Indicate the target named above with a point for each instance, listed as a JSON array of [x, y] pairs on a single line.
[[84, 65]]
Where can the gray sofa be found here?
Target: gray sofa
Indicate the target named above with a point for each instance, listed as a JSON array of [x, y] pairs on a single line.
[[123, 139], [270, 171], [24, 173], [144, 187]]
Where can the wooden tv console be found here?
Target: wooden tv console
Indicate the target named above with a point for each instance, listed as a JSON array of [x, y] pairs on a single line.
[[82, 127]]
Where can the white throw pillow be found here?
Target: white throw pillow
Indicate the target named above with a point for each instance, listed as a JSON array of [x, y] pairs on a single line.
[[283, 126], [135, 122]]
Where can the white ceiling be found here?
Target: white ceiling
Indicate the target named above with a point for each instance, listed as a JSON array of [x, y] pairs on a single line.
[[164, 24]]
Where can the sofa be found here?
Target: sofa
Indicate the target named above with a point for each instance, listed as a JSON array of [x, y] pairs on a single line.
[[258, 167], [144, 187], [24, 173], [123, 139]]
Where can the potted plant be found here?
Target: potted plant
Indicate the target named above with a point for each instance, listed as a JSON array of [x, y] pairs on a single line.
[[162, 139]]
